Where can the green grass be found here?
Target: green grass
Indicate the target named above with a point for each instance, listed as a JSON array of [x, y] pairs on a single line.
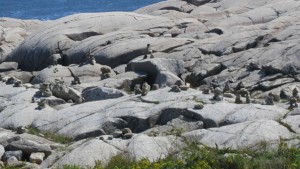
[[194, 157], [50, 135]]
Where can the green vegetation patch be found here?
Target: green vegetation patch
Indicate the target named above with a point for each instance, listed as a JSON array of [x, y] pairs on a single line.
[[198, 157], [50, 135]]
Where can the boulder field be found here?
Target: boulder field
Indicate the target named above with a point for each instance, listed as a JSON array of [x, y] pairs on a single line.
[[90, 86]]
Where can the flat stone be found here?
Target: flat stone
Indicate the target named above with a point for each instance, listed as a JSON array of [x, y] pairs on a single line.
[[29, 147]]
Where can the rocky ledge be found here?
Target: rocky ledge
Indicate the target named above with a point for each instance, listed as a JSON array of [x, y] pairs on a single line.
[[87, 87]]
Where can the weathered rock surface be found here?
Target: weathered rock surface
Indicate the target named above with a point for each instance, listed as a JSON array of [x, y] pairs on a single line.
[[243, 135], [154, 66], [293, 122], [28, 147], [101, 93], [1, 151], [139, 114], [13, 32], [203, 43], [87, 152], [253, 112], [152, 148], [87, 73], [8, 66], [212, 115]]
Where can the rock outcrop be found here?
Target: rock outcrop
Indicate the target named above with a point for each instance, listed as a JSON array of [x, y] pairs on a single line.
[[224, 74]]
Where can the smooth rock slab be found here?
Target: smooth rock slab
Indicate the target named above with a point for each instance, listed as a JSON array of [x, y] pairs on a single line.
[[87, 152], [250, 112], [101, 93], [242, 135], [23, 114], [28, 146], [293, 122], [152, 148], [212, 115]]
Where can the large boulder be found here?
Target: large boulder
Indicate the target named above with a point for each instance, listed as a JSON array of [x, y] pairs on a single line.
[[104, 41], [154, 66]]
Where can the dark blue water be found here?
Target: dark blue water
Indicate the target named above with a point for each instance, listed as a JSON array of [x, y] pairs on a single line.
[[53, 9]]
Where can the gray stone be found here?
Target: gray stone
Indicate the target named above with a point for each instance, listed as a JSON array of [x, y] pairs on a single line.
[[84, 73], [28, 147], [87, 152], [1, 151], [117, 134], [90, 134], [101, 93], [21, 130], [167, 78], [243, 135], [175, 89], [152, 148], [8, 66], [127, 135], [145, 89], [212, 115], [8, 154], [25, 77], [11, 160], [199, 106], [293, 122], [126, 130], [253, 112], [154, 66], [37, 158]]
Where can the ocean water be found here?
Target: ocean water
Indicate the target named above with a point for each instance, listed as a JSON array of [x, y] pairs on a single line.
[[53, 9]]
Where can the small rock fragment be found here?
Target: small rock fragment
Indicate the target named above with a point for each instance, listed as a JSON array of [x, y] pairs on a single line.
[[37, 158]]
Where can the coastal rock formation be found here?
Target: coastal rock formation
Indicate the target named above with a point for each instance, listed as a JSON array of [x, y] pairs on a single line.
[[222, 74]]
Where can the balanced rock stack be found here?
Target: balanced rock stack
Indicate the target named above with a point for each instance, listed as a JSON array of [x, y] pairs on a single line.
[[225, 73]]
